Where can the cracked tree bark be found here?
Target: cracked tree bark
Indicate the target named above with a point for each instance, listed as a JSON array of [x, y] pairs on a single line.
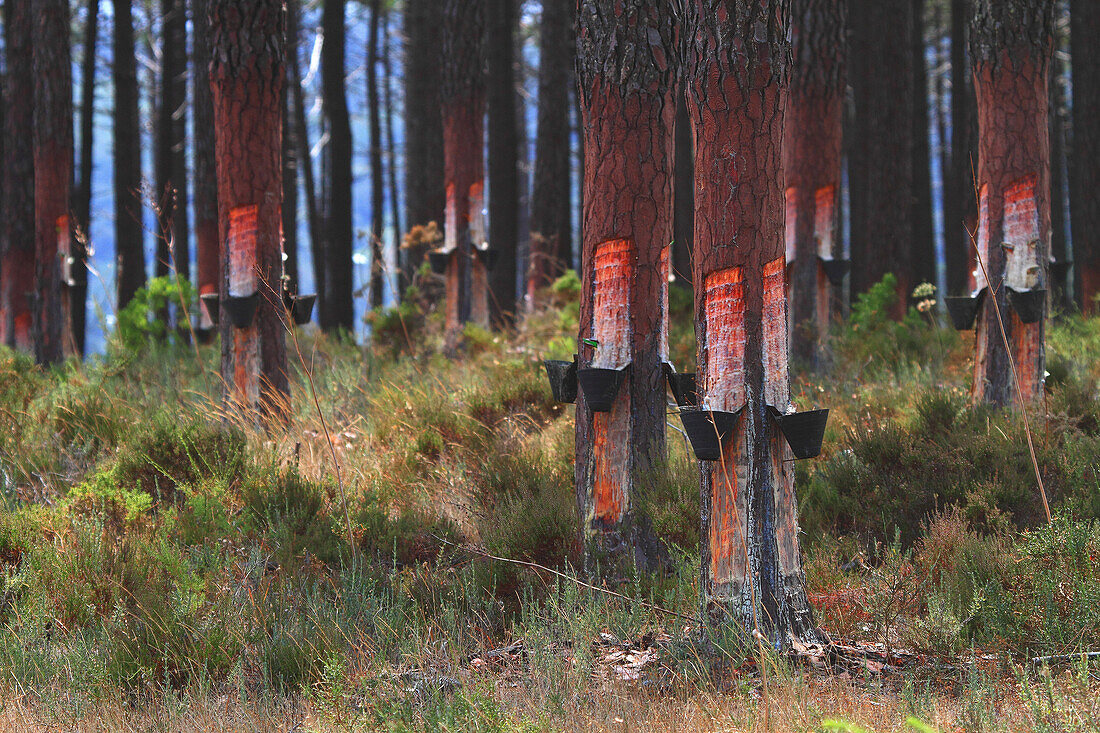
[[1085, 201], [812, 160], [53, 172], [1010, 44], [463, 106], [17, 271], [247, 78], [738, 60], [626, 74]]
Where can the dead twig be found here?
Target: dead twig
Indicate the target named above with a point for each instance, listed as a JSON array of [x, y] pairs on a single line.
[[577, 581]]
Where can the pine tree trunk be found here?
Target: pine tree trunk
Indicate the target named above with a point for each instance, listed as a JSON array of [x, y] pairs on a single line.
[[305, 161], [82, 206], [247, 77], [881, 167], [129, 229], [208, 249], [684, 196], [551, 225], [1059, 282], [171, 144], [463, 107], [960, 205], [1084, 199], [627, 82], [503, 156], [377, 191], [424, 188], [924, 245], [737, 73], [53, 171], [1010, 45], [17, 270], [290, 186], [336, 298], [391, 148], [812, 160]]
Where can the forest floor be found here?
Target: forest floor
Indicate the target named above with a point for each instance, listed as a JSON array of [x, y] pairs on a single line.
[[165, 565]]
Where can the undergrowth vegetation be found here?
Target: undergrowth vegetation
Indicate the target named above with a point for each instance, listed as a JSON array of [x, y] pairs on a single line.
[[155, 547]]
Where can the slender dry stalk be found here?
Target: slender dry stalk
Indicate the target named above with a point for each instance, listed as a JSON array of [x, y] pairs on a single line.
[[308, 371], [1012, 363]]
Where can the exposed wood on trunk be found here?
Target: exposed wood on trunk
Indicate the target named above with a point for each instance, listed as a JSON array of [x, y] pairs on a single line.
[[812, 160], [53, 171], [626, 68], [247, 76], [1010, 44], [881, 164], [738, 62], [17, 270]]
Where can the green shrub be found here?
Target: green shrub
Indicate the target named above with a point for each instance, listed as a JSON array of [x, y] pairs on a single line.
[[410, 537], [291, 512], [139, 322], [533, 514], [162, 456], [1047, 597], [398, 329], [518, 387]]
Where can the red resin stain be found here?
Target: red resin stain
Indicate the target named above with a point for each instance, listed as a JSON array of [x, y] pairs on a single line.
[[726, 539], [243, 232], [774, 325], [791, 222], [610, 464], [1021, 222], [824, 216], [724, 315], [613, 273]]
